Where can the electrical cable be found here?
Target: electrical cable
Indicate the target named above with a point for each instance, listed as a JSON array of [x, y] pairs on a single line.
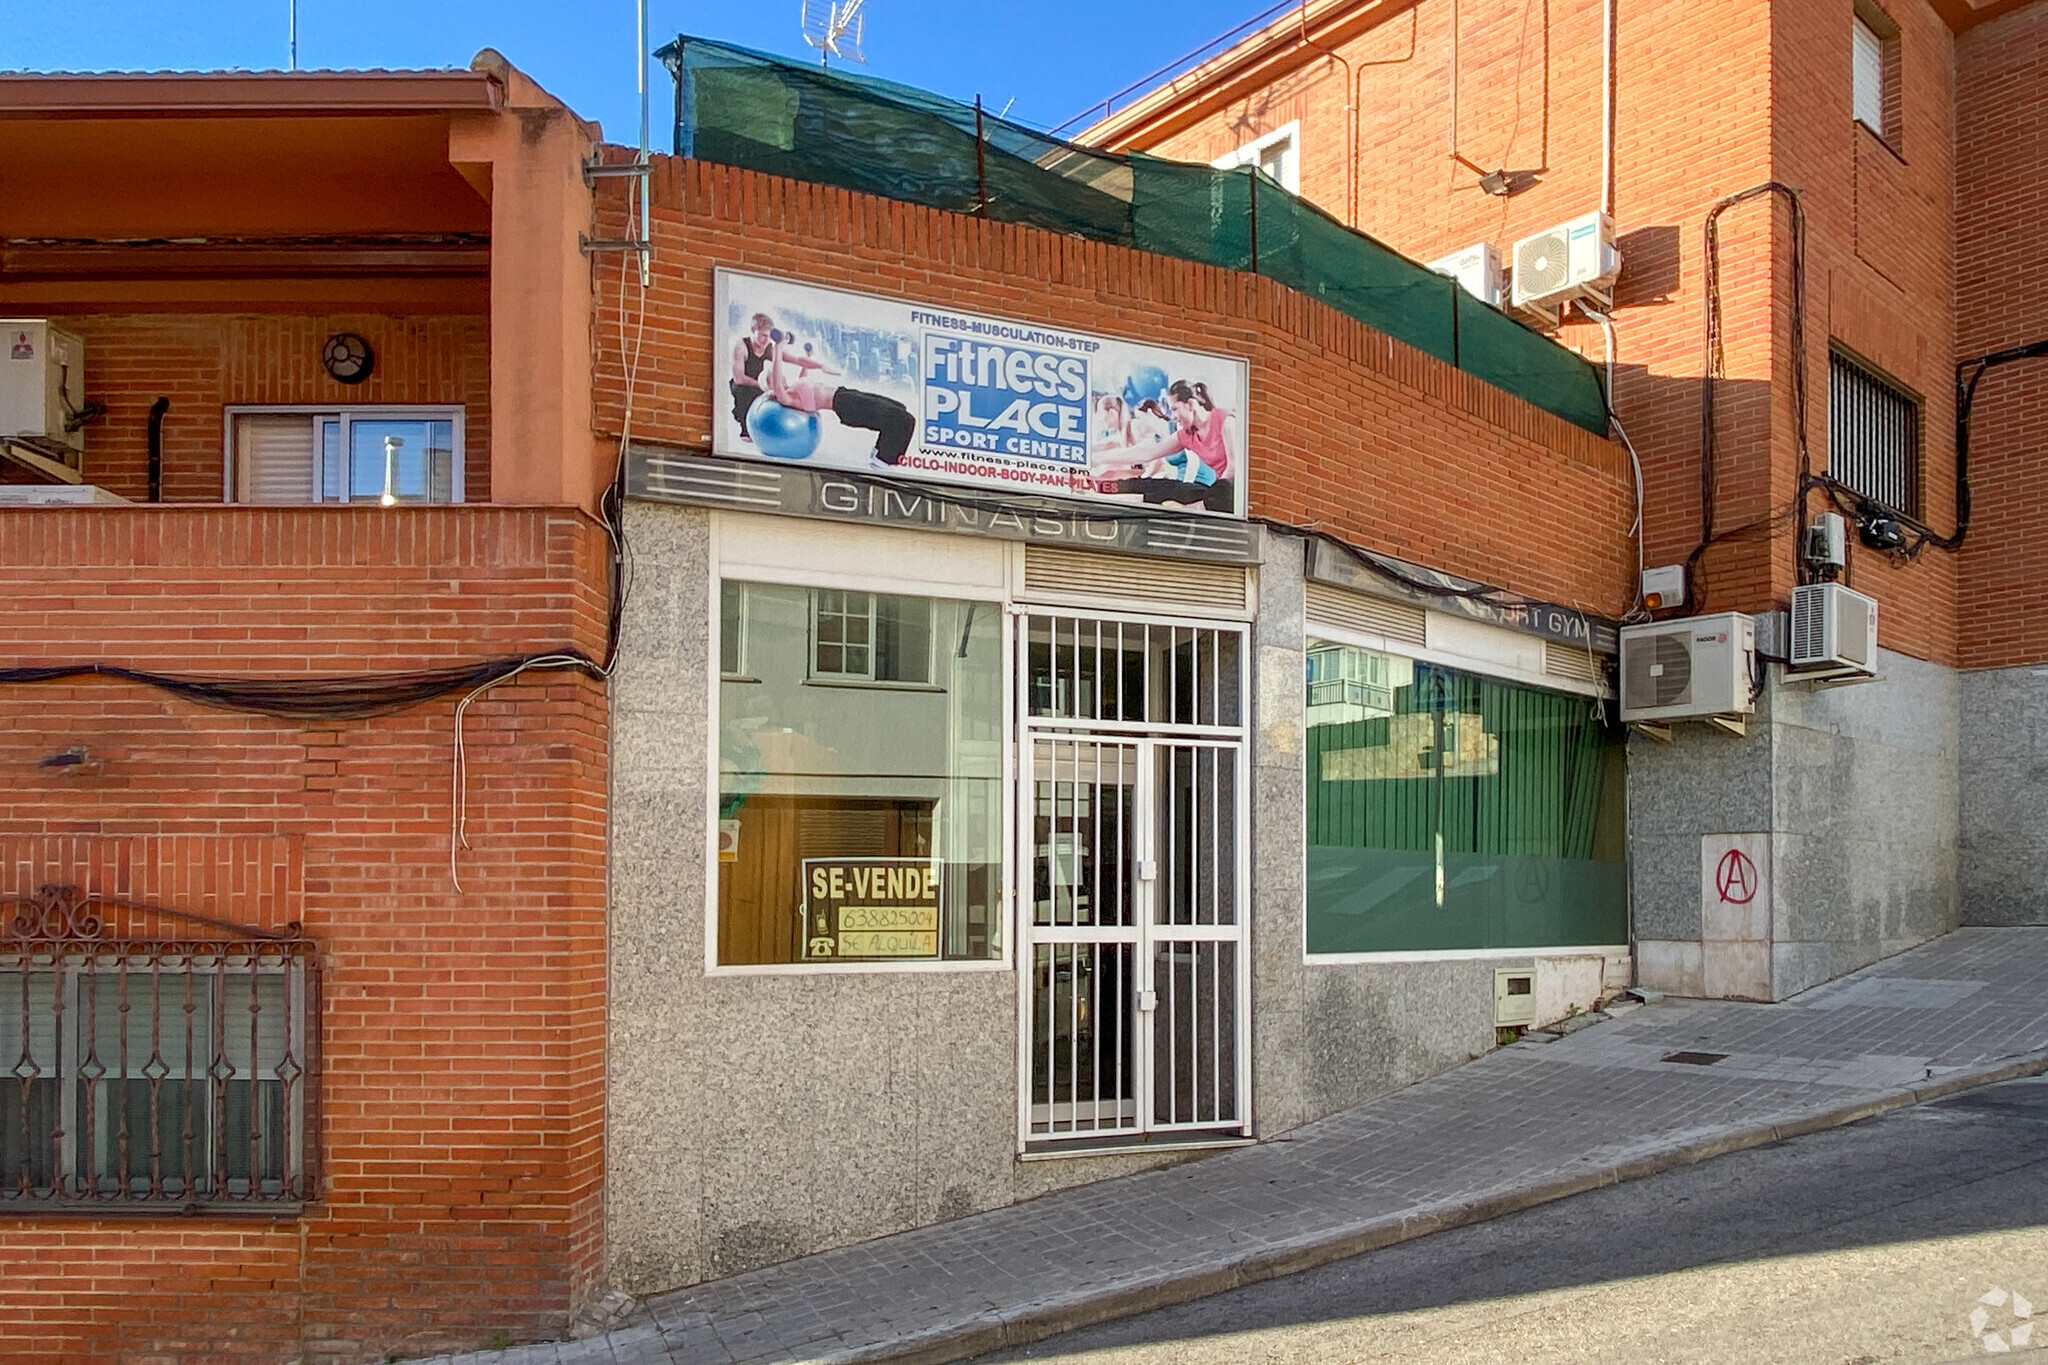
[[612, 502], [352, 696], [1767, 526], [1969, 373], [1635, 610], [458, 813]]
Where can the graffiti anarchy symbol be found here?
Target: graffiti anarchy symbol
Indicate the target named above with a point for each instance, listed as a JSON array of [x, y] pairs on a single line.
[[1735, 879]]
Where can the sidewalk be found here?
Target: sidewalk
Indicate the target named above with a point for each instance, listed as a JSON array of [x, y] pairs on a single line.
[[1529, 1123]]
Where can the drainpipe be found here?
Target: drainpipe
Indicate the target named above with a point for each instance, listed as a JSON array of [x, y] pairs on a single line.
[[1350, 121], [156, 448], [1454, 85], [1607, 40]]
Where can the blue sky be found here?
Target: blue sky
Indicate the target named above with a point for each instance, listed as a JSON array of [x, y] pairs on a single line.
[[1051, 57]]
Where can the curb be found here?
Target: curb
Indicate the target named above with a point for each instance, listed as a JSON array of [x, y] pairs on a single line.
[[1026, 1323]]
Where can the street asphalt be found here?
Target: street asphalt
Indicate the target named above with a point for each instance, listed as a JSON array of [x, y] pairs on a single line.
[[1917, 1236], [1662, 1087]]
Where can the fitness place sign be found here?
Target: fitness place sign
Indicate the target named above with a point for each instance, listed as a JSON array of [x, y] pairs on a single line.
[[829, 380]]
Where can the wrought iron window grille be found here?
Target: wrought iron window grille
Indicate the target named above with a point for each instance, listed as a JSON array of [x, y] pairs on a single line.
[[154, 1060]]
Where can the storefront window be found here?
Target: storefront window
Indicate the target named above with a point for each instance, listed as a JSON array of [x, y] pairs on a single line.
[[1451, 811], [860, 777]]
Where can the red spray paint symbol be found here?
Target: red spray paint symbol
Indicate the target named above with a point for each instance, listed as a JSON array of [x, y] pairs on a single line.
[[1736, 878]]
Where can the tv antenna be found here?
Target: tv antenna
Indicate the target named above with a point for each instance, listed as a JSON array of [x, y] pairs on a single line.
[[834, 28]]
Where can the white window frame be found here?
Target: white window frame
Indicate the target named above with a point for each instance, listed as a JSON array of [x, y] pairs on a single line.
[[1342, 635], [1253, 152], [867, 678], [1866, 82], [739, 672], [821, 568], [345, 413]]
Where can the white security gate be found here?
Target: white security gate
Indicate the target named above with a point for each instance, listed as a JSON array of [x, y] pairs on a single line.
[[1133, 937]]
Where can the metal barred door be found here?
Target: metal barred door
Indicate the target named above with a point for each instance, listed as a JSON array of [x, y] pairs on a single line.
[[1133, 937]]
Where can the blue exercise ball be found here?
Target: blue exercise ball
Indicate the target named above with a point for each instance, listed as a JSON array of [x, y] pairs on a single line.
[[785, 433], [1146, 381]]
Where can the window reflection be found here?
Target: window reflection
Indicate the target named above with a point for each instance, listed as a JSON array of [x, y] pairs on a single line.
[[408, 460], [1452, 811], [860, 776]]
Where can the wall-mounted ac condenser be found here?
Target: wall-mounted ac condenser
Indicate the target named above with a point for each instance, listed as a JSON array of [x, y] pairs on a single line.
[[1477, 268], [42, 393], [1834, 632], [1574, 260], [1692, 667]]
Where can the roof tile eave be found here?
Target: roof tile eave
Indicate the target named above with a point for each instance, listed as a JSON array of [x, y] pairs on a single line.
[[30, 94]]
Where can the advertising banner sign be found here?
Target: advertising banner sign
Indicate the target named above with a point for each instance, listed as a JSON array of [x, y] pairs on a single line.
[[828, 380], [868, 908]]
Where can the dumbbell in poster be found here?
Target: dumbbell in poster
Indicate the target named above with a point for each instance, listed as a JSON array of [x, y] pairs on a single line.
[[834, 380]]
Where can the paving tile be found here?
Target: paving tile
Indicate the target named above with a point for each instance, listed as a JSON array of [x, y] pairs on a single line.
[[1514, 1120]]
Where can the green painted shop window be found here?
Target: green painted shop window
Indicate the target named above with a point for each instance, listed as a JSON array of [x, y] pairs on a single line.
[[1449, 811]]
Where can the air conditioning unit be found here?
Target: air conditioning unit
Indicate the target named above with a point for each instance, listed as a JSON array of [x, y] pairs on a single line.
[[57, 495], [42, 395], [1477, 268], [1693, 667], [1834, 632], [1574, 260]]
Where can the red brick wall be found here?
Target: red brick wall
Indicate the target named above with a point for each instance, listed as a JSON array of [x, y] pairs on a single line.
[[1880, 266], [203, 362], [463, 1031], [1710, 100], [1348, 430], [2002, 300]]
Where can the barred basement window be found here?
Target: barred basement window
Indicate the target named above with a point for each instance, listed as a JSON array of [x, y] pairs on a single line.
[[147, 1072], [1873, 435]]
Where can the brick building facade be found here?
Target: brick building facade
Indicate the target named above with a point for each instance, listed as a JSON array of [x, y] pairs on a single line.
[[536, 1065], [1899, 229], [895, 1085], [443, 1060]]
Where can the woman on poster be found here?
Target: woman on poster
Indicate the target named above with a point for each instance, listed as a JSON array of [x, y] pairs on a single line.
[[1192, 466]]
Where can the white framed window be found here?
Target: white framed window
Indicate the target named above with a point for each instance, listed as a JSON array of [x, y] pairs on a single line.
[[1277, 153], [304, 454], [859, 827], [1873, 67], [870, 637], [1453, 813], [732, 630]]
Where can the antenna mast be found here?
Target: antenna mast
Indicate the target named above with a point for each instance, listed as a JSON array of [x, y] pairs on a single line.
[[835, 27]]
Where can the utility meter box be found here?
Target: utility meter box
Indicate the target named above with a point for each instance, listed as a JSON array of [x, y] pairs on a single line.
[[1514, 997]]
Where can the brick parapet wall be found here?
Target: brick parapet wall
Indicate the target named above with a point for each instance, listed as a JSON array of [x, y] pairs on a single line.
[[463, 1031], [1349, 430]]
